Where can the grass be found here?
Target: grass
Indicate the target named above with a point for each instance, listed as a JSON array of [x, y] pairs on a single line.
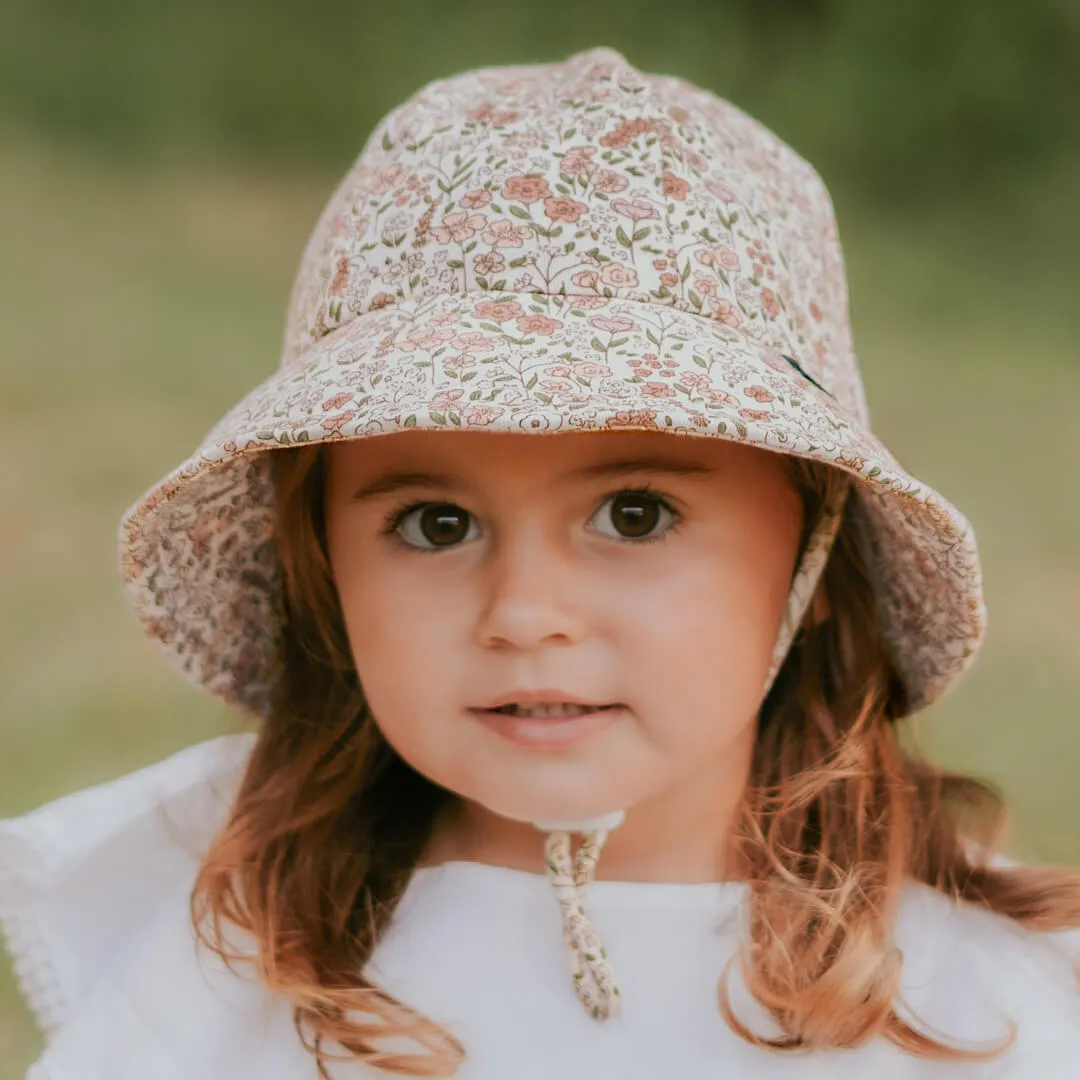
[[138, 305]]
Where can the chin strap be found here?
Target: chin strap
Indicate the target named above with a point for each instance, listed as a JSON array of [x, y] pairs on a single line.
[[570, 876], [593, 981]]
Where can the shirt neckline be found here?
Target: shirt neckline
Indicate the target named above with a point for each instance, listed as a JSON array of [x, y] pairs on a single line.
[[605, 892]]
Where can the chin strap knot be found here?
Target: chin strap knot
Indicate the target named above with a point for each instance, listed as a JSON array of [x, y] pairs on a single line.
[[593, 981]]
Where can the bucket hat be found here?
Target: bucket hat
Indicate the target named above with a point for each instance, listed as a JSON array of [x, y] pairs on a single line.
[[561, 247]]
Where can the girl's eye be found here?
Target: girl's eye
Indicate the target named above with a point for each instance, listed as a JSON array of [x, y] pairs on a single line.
[[634, 515], [434, 525]]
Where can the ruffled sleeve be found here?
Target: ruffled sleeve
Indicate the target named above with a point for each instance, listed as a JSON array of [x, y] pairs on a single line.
[[81, 877]]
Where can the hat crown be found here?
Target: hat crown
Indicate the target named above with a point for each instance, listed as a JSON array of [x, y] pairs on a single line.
[[591, 179]]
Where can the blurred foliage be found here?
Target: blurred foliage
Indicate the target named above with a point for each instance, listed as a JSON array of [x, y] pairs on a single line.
[[911, 98]]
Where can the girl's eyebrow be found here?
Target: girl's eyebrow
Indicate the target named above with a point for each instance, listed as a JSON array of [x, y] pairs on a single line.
[[396, 480]]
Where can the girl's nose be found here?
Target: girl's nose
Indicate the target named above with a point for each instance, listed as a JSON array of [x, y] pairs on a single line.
[[531, 594]]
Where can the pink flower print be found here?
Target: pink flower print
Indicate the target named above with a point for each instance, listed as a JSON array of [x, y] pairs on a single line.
[[426, 340], [725, 257], [721, 397], [473, 341], [770, 303], [489, 262], [635, 209], [480, 415], [577, 161], [507, 116], [459, 362], [586, 279], [851, 461], [679, 114], [557, 386], [591, 368], [670, 280], [445, 399], [619, 276], [617, 324], [721, 191], [626, 132], [659, 264], [498, 310], [563, 208], [447, 318], [458, 227], [696, 380], [336, 402], [726, 312], [704, 284], [341, 276], [633, 418], [381, 300], [526, 188], [658, 389], [590, 302], [675, 187], [505, 234], [558, 371], [385, 179], [474, 200], [759, 393], [815, 312], [754, 414], [671, 363], [609, 182], [337, 421], [538, 324], [651, 359], [773, 358]]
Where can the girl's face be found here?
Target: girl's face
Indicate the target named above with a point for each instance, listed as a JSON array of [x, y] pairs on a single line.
[[628, 569]]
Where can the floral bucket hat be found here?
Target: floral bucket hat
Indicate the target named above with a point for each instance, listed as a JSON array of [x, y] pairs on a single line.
[[574, 246]]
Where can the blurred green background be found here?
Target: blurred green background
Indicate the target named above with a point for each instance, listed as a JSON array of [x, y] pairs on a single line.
[[161, 166]]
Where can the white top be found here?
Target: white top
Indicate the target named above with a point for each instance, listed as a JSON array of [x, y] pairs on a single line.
[[94, 891]]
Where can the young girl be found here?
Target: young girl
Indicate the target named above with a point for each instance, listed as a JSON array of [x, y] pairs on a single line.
[[578, 749]]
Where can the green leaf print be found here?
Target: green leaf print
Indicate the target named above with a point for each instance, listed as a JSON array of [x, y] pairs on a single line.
[[620, 235]]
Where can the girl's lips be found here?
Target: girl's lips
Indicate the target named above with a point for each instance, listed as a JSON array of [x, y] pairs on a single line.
[[558, 732]]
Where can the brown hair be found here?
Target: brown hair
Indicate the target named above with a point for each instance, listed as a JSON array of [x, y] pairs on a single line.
[[329, 823]]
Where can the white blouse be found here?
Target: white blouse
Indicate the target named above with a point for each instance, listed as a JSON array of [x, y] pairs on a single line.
[[94, 892]]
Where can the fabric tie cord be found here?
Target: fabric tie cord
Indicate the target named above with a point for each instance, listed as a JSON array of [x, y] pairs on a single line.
[[570, 877]]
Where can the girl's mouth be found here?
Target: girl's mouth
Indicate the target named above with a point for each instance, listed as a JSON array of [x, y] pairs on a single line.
[[548, 725]]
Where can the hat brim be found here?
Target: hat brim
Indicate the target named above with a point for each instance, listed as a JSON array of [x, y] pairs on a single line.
[[197, 550]]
